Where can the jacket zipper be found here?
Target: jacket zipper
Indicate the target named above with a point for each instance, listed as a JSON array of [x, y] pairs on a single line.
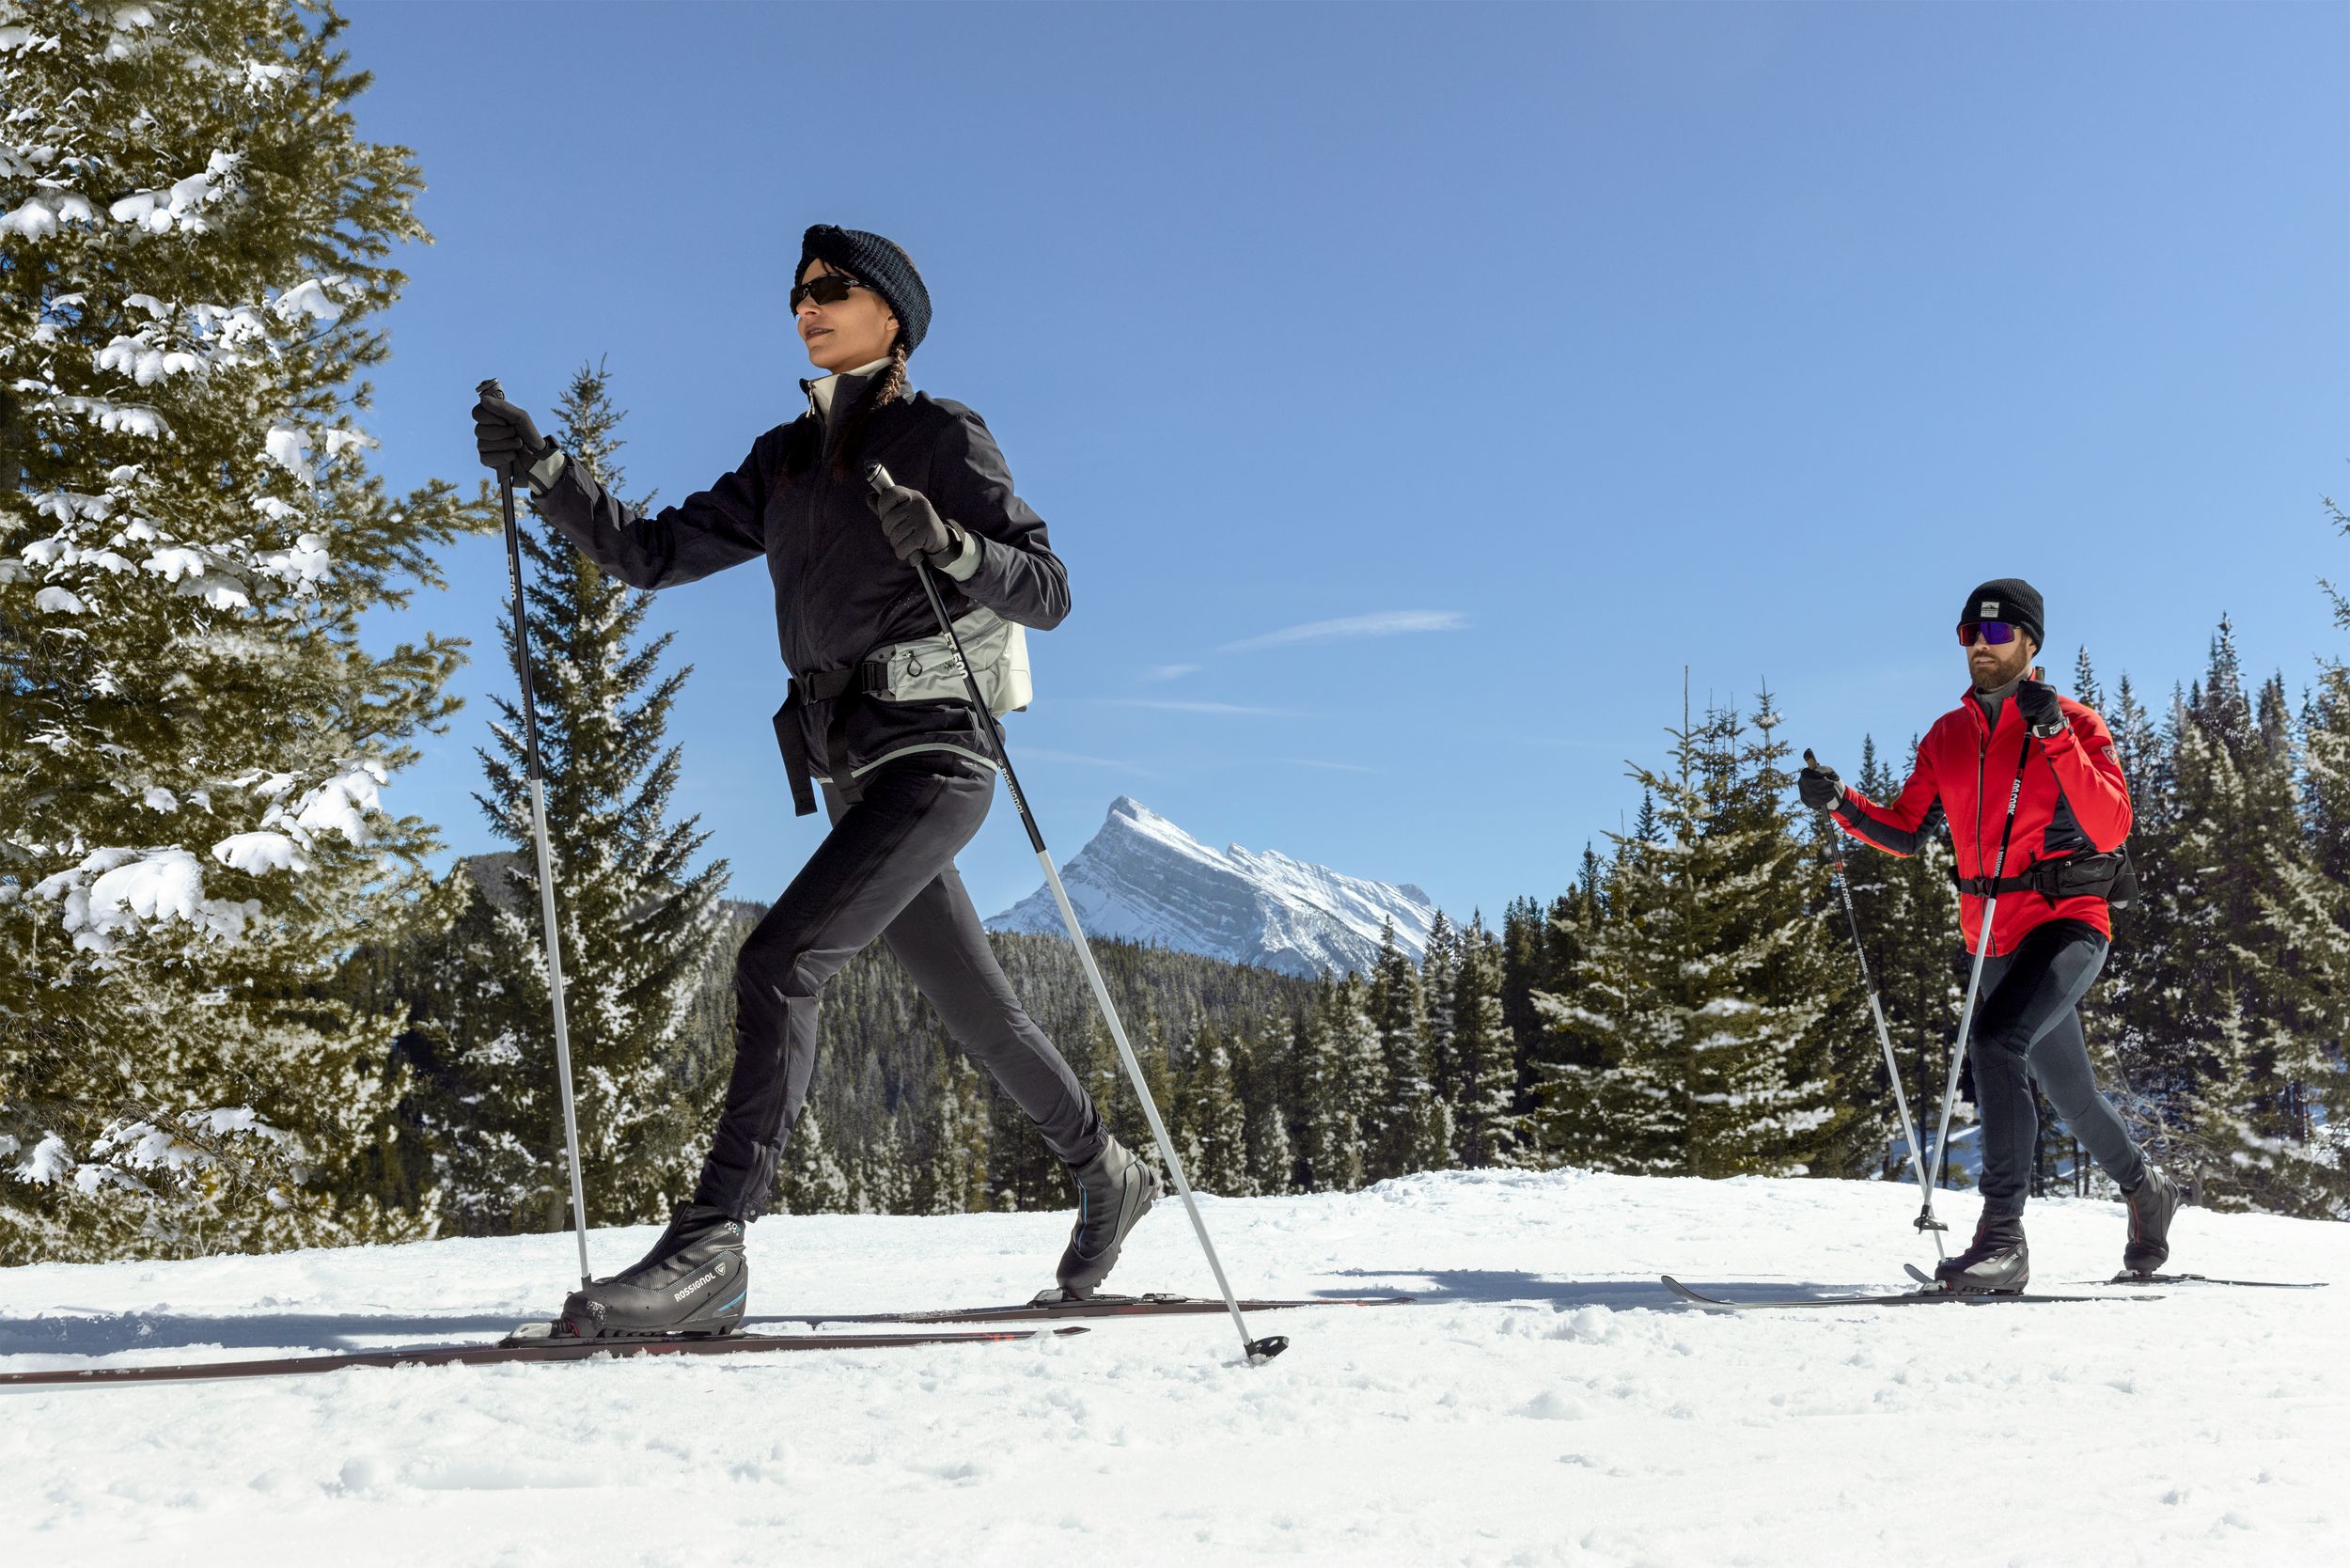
[[1982, 753]]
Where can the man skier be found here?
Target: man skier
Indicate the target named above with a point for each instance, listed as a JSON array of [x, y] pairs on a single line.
[[877, 717], [2014, 737]]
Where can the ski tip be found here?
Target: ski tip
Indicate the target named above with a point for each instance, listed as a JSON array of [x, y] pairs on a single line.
[[1261, 1350]]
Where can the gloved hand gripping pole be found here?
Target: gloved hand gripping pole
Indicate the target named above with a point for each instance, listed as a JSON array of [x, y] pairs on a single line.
[[546, 856], [1257, 1349], [1926, 1221]]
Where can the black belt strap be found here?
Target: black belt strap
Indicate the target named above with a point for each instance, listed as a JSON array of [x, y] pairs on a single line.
[[828, 685], [2000, 887], [2062, 877]]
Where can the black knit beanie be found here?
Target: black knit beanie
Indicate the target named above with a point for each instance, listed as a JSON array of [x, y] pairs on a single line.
[[878, 264], [2008, 599]]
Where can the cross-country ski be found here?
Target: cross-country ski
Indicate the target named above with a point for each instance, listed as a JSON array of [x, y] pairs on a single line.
[[2207, 1279], [1934, 1295], [516, 1350]]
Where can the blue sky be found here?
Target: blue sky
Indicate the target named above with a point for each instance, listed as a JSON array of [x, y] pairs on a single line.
[[1413, 392]]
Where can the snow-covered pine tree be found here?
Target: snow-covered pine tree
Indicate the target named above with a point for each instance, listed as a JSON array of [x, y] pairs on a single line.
[[1709, 988], [811, 1180], [1265, 1078], [1405, 1139], [2122, 1028], [884, 1177], [192, 237], [1210, 1124], [1560, 1050], [1825, 1125], [2221, 986], [953, 1175], [1536, 951], [637, 919], [1331, 1142], [1439, 965], [1363, 1061], [1484, 1055]]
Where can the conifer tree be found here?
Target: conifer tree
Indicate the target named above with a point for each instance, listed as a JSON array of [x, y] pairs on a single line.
[[1211, 1125], [1439, 965], [953, 1178], [2224, 980], [1708, 989], [1264, 1075], [1331, 1145], [1484, 1086], [885, 1174], [193, 244], [1406, 1135], [1362, 1066], [811, 1179], [637, 919]]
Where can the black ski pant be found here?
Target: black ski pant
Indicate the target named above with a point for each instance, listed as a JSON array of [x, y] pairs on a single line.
[[2027, 1031], [886, 869]]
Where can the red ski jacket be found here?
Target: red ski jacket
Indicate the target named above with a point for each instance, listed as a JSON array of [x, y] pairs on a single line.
[[2072, 801]]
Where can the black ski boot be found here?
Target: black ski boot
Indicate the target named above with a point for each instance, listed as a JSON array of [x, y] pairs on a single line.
[[2152, 1202], [692, 1283], [1114, 1190], [1996, 1263]]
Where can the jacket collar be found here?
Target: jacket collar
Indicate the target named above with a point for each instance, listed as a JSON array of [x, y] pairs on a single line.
[[2009, 717], [839, 389]]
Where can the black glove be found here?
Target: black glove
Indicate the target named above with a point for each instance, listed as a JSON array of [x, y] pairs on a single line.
[[913, 524], [509, 441], [1821, 788], [2037, 701]]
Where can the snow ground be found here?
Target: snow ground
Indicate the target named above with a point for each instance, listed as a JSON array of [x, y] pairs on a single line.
[[1545, 1404]]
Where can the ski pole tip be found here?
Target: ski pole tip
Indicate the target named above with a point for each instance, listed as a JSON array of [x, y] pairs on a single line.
[[1261, 1350]]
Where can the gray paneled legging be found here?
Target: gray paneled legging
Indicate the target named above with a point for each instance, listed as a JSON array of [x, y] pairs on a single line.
[[2027, 1030]]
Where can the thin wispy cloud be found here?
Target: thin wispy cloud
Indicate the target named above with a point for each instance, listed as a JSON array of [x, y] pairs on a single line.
[[1386, 623], [1080, 760], [1172, 672], [1229, 710]]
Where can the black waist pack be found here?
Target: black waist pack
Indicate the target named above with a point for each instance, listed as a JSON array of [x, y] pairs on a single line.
[[2108, 876]]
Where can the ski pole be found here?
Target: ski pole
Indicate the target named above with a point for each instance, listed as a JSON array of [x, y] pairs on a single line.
[[1974, 978], [546, 856], [1884, 1036], [878, 479]]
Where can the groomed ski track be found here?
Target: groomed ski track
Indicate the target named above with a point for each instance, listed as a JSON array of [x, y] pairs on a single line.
[[1545, 1401]]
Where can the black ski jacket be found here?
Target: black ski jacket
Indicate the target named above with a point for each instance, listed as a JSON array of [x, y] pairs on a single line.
[[841, 593]]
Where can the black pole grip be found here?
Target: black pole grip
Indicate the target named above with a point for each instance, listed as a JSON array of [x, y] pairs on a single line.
[[491, 389]]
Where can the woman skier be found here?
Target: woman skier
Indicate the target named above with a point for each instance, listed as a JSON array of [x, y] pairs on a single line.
[[877, 718]]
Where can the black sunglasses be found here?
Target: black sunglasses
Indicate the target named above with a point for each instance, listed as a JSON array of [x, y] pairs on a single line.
[[826, 288]]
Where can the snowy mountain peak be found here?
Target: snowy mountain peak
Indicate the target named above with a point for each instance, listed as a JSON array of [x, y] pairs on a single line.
[[1144, 879]]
